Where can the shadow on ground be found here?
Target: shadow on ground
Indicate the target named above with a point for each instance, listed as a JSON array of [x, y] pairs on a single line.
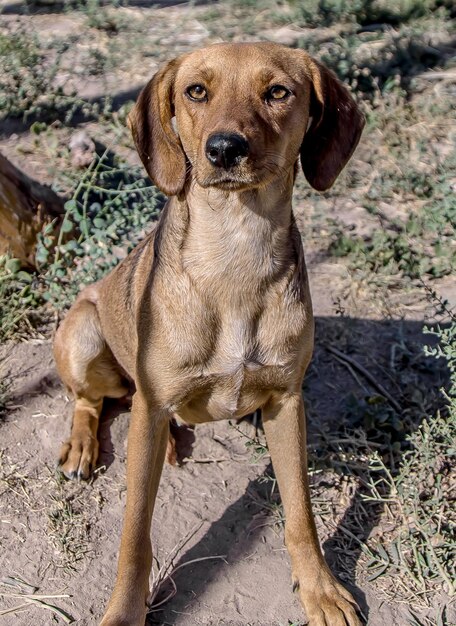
[[19, 125], [58, 6]]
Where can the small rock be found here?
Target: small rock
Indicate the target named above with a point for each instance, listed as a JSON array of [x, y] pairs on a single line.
[[82, 149], [119, 252], [287, 35], [290, 35]]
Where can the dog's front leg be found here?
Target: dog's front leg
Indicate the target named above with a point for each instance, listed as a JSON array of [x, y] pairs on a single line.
[[326, 601], [147, 440]]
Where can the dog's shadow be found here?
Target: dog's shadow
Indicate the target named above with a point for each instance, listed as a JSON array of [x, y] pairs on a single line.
[[233, 528]]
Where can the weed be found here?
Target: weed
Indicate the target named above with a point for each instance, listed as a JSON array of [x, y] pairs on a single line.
[[328, 12], [255, 443], [27, 80], [423, 545], [419, 245], [104, 18], [18, 299], [110, 210], [419, 548]]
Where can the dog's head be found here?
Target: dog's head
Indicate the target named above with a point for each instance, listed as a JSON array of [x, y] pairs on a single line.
[[243, 113]]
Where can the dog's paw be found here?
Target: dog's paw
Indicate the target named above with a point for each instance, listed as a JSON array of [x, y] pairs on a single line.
[[326, 601], [78, 456]]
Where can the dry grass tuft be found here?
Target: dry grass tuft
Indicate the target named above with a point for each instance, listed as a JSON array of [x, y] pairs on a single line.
[[163, 574], [27, 593]]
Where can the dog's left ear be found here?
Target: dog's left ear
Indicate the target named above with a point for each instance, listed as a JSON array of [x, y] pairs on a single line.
[[158, 145], [335, 129]]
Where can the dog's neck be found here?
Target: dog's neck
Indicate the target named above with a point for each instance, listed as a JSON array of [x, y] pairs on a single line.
[[271, 202], [238, 238]]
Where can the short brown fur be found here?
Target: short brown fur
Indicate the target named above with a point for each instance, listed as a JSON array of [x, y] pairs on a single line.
[[210, 315]]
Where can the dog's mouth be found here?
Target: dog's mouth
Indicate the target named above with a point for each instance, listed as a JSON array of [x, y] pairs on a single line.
[[230, 181], [228, 184]]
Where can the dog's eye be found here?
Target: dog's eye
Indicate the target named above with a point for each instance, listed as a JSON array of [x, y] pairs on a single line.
[[197, 93], [277, 92]]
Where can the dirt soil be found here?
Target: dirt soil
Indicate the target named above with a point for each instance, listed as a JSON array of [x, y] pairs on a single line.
[[63, 538]]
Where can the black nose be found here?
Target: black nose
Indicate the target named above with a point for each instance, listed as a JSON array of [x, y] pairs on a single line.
[[226, 149]]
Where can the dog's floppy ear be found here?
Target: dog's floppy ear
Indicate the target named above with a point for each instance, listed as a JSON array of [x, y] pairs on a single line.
[[150, 123], [334, 131]]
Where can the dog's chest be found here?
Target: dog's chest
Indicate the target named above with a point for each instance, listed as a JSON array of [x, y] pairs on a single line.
[[223, 364], [230, 331], [235, 381]]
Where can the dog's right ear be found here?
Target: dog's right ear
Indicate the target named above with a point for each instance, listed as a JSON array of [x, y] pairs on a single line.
[[158, 145]]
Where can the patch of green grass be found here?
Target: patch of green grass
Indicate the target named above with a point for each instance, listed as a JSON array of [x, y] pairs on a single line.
[[422, 244], [27, 79], [18, 299], [419, 496]]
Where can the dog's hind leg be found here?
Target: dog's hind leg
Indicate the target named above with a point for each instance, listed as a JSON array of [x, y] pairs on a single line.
[[89, 370]]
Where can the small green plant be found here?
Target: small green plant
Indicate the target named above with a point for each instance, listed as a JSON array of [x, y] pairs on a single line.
[[18, 298], [421, 245], [379, 421], [108, 215], [255, 443], [104, 17], [422, 546], [27, 79]]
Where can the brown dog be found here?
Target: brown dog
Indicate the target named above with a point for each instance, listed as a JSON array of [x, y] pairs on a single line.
[[211, 314]]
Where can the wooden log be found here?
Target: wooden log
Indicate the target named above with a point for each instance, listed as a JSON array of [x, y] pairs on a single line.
[[25, 207]]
